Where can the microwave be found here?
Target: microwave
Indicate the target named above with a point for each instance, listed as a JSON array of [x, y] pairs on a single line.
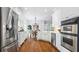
[[70, 28]]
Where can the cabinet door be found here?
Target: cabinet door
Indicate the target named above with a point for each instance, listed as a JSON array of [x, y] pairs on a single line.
[[56, 19], [53, 38], [69, 12]]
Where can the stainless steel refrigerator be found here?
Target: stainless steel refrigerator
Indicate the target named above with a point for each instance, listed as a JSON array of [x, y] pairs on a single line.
[[9, 41]]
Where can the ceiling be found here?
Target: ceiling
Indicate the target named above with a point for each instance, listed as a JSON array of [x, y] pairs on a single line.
[[29, 13], [41, 13]]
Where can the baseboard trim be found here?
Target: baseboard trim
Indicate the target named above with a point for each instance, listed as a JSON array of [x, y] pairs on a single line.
[[22, 43]]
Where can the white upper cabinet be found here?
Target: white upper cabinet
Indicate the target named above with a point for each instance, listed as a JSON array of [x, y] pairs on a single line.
[[67, 13], [56, 20]]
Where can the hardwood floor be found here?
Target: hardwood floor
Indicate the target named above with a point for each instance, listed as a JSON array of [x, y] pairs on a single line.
[[31, 45]]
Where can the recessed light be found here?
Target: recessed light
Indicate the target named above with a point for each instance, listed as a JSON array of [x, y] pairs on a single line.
[[26, 8], [45, 10]]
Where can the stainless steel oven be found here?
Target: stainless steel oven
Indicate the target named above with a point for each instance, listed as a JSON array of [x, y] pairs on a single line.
[[69, 42], [70, 34], [72, 28]]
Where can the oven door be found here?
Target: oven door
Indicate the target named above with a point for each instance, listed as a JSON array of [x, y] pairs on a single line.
[[69, 28], [69, 42]]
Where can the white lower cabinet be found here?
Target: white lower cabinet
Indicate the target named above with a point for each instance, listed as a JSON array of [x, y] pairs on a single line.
[[44, 35]]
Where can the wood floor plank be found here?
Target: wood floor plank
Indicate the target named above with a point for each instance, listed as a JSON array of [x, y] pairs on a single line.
[[32, 45]]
